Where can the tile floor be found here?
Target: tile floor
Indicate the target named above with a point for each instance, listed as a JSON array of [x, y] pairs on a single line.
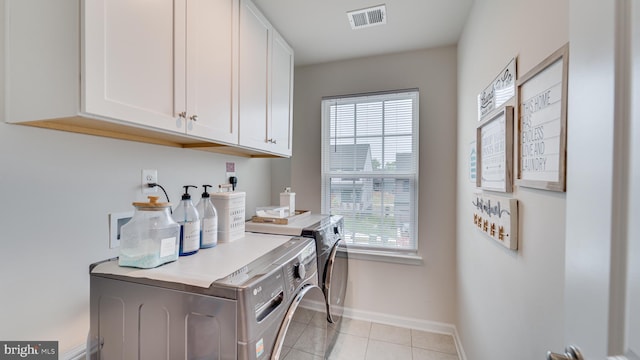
[[363, 340]]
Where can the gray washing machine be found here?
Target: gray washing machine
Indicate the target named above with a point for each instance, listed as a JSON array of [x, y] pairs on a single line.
[[333, 259], [251, 313], [304, 333]]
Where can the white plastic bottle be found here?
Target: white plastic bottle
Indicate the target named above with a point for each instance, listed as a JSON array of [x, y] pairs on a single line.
[[187, 216], [208, 220], [288, 199]]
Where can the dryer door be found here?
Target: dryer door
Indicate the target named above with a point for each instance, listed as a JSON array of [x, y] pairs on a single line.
[[303, 333]]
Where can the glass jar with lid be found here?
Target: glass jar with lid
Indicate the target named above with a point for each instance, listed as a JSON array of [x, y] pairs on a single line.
[[151, 237]]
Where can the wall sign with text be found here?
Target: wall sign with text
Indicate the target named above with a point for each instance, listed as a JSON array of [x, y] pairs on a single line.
[[494, 142], [501, 89], [542, 124], [497, 218]]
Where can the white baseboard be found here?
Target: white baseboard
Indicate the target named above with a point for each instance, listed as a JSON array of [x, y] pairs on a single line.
[[77, 353], [424, 325], [461, 353]]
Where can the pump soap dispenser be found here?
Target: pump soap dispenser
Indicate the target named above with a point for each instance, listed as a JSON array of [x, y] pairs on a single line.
[[187, 216], [208, 220]]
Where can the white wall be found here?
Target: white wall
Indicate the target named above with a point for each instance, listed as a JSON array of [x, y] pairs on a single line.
[[425, 292], [56, 190], [280, 178], [510, 303], [602, 106]]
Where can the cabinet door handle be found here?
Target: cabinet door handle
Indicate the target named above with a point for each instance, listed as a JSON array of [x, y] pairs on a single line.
[[273, 141], [183, 114], [194, 117]]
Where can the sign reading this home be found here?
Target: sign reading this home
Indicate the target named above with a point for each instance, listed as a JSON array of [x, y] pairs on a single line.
[[541, 125]]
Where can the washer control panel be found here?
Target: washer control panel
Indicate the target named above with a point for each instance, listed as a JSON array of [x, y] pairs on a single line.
[[274, 279], [298, 271]]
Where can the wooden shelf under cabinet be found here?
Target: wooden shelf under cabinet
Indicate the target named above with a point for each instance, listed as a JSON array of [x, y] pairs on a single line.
[[88, 126]]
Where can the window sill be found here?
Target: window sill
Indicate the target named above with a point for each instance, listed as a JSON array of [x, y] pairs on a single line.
[[385, 256]]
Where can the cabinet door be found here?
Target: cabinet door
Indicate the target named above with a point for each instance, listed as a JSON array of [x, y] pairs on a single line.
[[255, 37], [281, 96], [132, 70], [212, 30]]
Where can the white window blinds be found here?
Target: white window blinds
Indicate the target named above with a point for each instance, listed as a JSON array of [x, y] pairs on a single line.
[[370, 167]]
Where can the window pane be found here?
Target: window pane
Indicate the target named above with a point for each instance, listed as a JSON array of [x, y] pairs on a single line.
[[376, 211], [350, 157], [375, 146], [342, 120], [370, 165], [398, 117], [397, 150], [369, 119]]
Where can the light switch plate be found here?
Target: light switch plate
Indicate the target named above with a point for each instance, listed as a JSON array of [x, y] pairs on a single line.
[[116, 220], [230, 170]]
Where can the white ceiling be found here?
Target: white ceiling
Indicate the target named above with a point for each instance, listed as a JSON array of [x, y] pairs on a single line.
[[319, 30]]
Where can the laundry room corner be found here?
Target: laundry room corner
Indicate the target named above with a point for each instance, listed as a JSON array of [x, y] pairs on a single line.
[[386, 290]]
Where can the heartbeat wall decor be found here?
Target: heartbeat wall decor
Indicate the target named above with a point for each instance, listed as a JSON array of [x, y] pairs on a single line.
[[497, 217]]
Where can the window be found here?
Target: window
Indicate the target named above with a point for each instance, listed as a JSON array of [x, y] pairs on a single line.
[[370, 168]]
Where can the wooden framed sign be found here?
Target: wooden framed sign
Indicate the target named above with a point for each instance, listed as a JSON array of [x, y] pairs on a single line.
[[494, 141], [542, 124], [502, 88]]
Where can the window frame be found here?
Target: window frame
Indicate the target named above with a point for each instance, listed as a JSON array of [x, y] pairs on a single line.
[[374, 252]]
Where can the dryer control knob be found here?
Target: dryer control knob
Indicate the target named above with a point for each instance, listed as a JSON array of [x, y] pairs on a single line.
[[299, 271]]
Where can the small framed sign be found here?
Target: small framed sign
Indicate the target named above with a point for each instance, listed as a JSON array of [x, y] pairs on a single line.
[[542, 124], [473, 157], [501, 89], [494, 141]]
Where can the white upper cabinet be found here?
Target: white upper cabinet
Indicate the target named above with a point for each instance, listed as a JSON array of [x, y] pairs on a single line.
[[266, 84], [211, 82], [204, 74], [167, 64], [255, 36], [132, 70], [281, 96]]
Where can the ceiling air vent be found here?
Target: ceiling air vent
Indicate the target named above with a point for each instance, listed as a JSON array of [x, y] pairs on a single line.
[[372, 16]]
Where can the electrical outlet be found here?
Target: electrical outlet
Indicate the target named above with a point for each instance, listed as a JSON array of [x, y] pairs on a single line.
[[149, 176]]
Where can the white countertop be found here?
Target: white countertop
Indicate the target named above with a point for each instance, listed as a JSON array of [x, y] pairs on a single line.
[[207, 265]]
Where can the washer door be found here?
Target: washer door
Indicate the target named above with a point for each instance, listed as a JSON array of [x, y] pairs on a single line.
[[303, 333], [335, 280]]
